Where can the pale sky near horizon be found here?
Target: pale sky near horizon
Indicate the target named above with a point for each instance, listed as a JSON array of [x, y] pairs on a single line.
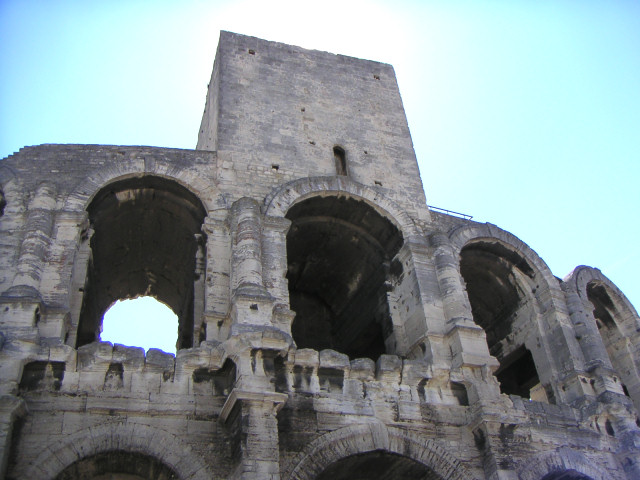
[[525, 114]]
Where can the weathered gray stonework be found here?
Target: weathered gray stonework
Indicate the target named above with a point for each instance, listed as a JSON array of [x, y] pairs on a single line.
[[331, 324]]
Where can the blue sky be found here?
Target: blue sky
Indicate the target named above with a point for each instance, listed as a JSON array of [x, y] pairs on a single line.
[[523, 114]]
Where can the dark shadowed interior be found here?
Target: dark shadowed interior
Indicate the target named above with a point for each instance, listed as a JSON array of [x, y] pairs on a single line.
[[489, 270], [377, 465], [118, 465], [339, 253]]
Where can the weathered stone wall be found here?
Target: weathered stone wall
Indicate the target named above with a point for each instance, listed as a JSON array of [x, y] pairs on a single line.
[[470, 361]]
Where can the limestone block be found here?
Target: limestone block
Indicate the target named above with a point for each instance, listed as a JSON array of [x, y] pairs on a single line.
[[389, 368]]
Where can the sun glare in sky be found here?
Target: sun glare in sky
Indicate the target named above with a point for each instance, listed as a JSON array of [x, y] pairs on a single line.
[[142, 322]]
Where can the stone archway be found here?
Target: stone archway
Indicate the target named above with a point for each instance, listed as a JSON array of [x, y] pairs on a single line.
[[79, 199], [338, 226], [518, 301], [281, 200], [612, 324], [560, 464], [332, 447], [134, 439]]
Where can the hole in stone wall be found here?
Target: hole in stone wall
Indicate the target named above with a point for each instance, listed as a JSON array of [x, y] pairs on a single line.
[[252, 52], [219, 382], [340, 158], [518, 375], [339, 252], [147, 235], [608, 426], [3, 202], [459, 391], [142, 322], [40, 375]]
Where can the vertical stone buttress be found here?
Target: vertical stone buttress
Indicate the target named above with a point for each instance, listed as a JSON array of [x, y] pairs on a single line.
[[35, 246], [251, 408], [217, 277]]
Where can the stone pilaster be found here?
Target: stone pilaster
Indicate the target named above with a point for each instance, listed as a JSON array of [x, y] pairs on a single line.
[[35, 246], [217, 291], [11, 409], [246, 257], [467, 341], [252, 305], [251, 420]]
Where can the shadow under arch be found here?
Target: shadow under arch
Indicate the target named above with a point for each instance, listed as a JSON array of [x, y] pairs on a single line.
[[153, 443], [516, 299], [353, 440], [364, 243], [562, 463]]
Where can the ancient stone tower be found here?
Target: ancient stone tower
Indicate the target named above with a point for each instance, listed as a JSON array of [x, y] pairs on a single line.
[[331, 325]]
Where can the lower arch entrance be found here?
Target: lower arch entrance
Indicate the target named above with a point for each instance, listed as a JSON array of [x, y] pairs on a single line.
[[118, 465], [377, 465], [566, 475]]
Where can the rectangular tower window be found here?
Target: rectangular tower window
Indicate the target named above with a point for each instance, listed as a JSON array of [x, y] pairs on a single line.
[[341, 160]]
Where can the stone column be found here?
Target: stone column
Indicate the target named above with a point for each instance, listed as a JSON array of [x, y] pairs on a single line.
[[217, 274], [466, 339], [274, 260], [35, 246], [251, 419], [246, 259], [251, 304]]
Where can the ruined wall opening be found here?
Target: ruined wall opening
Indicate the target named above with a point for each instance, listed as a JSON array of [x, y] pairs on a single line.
[[377, 465], [146, 241], [339, 253], [118, 465], [340, 158], [144, 322], [608, 320], [497, 281]]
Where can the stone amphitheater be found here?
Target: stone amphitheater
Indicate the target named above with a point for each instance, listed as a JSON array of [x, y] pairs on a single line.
[[331, 324]]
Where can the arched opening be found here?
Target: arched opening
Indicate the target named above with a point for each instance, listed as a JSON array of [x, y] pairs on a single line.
[[144, 322], [617, 344], [118, 465], [377, 465], [498, 288], [147, 241], [341, 266]]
